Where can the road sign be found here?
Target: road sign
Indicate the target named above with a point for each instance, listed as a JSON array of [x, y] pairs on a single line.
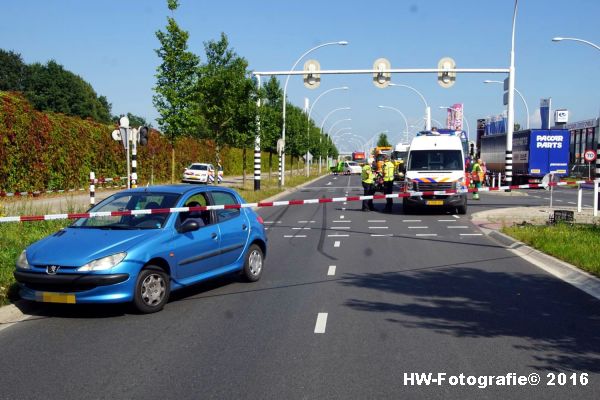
[[589, 156]]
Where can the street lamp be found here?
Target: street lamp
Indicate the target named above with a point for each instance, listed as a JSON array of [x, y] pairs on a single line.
[[401, 114], [282, 154], [465, 120], [559, 39], [308, 124], [519, 93], [427, 108], [323, 124]]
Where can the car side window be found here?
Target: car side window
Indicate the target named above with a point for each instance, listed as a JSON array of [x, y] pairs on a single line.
[[202, 217], [223, 198]]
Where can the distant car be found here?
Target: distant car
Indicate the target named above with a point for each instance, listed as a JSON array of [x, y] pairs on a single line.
[[351, 167], [142, 258], [199, 172]]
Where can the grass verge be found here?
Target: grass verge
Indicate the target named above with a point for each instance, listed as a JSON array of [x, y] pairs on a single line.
[[576, 244], [16, 236]]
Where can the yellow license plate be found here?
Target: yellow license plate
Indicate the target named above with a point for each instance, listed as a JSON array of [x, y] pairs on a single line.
[[48, 297], [435, 202]]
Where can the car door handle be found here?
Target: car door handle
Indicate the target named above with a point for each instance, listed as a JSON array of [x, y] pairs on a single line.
[[244, 227], [213, 235]]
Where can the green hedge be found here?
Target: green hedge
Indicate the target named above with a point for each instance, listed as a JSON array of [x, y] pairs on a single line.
[[44, 151]]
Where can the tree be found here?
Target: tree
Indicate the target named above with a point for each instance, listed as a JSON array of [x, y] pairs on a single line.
[[176, 80], [12, 71], [226, 97], [134, 120], [383, 140], [50, 87]]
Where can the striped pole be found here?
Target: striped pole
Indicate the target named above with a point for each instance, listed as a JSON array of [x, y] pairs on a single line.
[[598, 162], [280, 183], [92, 188], [134, 177], [257, 142], [509, 167]]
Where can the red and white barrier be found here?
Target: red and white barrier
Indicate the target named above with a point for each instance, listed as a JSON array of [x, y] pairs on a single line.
[[24, 218]]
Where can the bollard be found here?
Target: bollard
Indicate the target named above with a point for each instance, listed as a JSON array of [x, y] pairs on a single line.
[[579, 198], [92, 189]]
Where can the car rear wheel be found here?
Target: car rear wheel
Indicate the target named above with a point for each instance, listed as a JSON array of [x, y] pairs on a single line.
[[253, 266], [152, 290], [462, 210]]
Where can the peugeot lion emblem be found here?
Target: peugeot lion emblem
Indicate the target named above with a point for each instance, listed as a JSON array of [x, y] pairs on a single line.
[[52, 269]]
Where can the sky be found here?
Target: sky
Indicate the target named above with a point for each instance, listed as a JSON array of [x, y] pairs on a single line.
[[111, 44]]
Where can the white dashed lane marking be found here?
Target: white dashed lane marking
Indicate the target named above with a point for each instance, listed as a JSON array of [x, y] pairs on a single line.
[[380, 235], [426, 234], [471, 234], [376, 220], [272, 222], [418, 227], [294, 236], [458, 227], [446, 220], [571, 202], [306, 222], [339, 227], [379, 227], [411, 220], [346, 221], [331, 270], [321, 323], [338, 235], [298, 229], [342, 217], [456, 216], [336, 243]]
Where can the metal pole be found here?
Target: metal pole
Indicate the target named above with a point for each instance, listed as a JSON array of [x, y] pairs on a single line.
[[427, 108], [511, 104], [579, 198], [257, 158], [596, 183]]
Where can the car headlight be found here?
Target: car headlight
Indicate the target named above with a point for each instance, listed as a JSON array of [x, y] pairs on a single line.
[[460, 183], [22, 261], [102, 264]]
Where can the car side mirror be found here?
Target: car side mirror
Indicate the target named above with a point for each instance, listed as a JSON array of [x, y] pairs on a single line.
[[188, 226]]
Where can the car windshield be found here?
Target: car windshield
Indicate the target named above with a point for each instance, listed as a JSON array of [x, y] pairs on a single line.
[[130, 201], [352, 164], [198, 167], [435, 160]]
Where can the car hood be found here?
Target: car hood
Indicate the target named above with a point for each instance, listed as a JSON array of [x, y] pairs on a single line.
[[78, 246]]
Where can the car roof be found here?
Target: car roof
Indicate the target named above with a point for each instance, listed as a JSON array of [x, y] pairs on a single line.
[[178, 189], [200, 163]]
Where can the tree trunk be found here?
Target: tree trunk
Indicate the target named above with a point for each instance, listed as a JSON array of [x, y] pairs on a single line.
[[244, 167], [173, 163], [270, 164], [218, 161]]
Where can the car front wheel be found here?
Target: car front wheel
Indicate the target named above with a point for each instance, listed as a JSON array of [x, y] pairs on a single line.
[[253, 266], [152, 290]]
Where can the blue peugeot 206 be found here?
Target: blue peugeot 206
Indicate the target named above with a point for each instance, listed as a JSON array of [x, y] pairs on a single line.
[[141, 258]]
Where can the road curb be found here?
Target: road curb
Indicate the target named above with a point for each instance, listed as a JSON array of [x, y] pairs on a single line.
[[12, 314], [562, 270]]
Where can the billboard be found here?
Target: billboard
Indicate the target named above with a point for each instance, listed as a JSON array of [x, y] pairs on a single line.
[[454, 119]]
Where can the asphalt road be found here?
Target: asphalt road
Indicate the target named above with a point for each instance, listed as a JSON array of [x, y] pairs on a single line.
[[350, 304]]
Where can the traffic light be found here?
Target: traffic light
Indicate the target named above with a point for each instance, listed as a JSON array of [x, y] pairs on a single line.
[[381, 79], [143, 132], [311, 79], [446, 79]]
